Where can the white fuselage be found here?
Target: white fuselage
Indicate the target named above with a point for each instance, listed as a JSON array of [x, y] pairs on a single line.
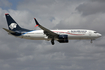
[[72, 34], [62, 36]]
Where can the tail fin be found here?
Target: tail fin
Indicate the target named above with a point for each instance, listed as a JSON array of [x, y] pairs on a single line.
[[12, 25]]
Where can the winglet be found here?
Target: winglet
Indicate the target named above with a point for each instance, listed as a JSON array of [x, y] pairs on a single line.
[[36, 22], [36, 25], [6, 14]]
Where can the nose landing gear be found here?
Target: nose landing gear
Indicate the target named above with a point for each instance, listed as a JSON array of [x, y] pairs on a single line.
[[52, 42]]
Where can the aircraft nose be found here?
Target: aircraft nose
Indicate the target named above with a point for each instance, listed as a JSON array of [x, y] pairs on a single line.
[[99, 35]]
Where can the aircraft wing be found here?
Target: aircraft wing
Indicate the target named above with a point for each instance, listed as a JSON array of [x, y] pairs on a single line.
[[48, 32]]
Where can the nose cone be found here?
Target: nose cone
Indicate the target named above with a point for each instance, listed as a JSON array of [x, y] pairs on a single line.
[[99, 35]]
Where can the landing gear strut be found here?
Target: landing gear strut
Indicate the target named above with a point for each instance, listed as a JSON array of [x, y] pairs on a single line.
[[91, 41], [52, 41]]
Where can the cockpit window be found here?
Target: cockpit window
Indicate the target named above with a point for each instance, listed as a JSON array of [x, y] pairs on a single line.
[[95, 32]]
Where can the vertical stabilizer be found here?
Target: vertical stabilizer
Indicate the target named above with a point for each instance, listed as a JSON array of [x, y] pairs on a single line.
[[12, 25]]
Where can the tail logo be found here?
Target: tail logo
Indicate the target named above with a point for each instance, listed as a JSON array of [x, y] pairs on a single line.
[[13, 25]]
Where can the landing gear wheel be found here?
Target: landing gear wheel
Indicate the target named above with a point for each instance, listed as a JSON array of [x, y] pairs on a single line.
[[52, 41]]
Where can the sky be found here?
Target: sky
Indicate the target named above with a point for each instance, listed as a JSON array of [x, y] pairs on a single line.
[[23, 54]]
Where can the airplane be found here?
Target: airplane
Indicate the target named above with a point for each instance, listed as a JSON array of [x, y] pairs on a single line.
[[62, 36]]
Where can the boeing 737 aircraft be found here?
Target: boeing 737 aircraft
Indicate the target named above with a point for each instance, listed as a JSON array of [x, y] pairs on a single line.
[[62, 36]]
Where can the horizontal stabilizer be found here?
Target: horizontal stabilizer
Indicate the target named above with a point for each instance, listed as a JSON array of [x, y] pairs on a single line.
[[8, 30]]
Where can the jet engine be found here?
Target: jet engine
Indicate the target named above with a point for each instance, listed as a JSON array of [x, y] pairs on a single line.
[[63, 39]]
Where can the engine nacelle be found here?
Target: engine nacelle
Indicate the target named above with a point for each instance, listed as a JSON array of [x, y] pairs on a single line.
[[63, 39]]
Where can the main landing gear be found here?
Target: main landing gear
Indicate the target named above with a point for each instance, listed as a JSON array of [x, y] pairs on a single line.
[[52, 41], [92, 40]]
